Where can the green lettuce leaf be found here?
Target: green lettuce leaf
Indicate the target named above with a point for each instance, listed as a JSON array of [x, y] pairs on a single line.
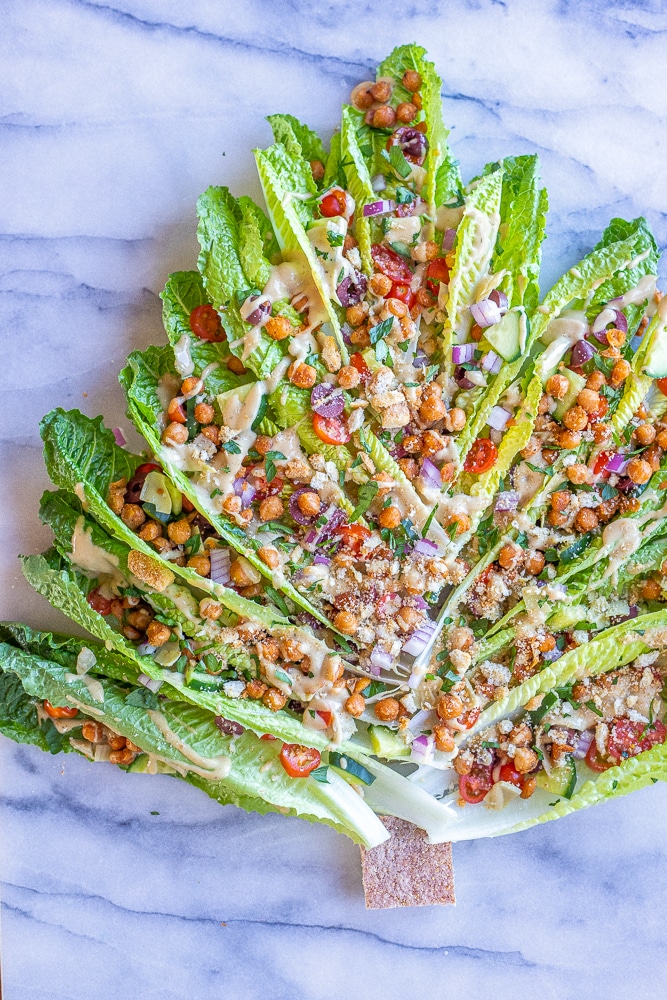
[[294, 135], [358, 181]]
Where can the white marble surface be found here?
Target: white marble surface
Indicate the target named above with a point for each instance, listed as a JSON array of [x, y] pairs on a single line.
[[114, 117]]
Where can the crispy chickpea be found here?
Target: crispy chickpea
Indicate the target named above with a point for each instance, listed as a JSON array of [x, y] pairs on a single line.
[[444, 739], [380, 284], [309, 503], [462, 765], [317, 170], [628, 505], [455, 420], [615, 337], [204, 413], [595, 380], [638, 471], [390, 517], [549, 455], [278, 327], [274, 699], [269, 649], [412, 80], [93, 732], [619, 373], [653, 455], [406, 112], [661, 439], [589, 400], [271, 508], [360, 337], [190, 384], [175, 434], [396, 307], [462, 522], [124, 757], [355, 705], [432, 407], [235, 365], [556, 386], [645, 434], [387, 710], [263, 444], [449, 706], [424, 298], [381, 91], [232, 504], [427, 250], [383, 117], [269, 556], [568, 439], [529, 786], [212, 432], [575, 419], [200, 564], [158, 633], [179, 531], [461, 637], [578, 473], [548, 643], [355, 315], [210, 609], [534, 562], [556, 519], [133, 515], [601, 433], [408, 467], [243, 573], [408, 618], [117, 608], [651, 590], [255, 689], [510, 556], [348, 377], [560, 500], [346, 622], [412, 444], [585, 520], [140, 618], [150, 531], [525, 760], [116, 742], [448, 472], [606, 510]]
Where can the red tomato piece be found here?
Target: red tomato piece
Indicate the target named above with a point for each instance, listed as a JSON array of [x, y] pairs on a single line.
[[326, 717], [627, 738], [333, 203], [469, 718], [359, 363], [662, 385], [601, 461], [60, 711], [99, 603], [298, 760], [205, 323], [353, 535], [481, 457], [595, 761], [474, 786], [188, 505], [509, 773], [268, 736], [176, 412], [600, 412], [404, 293], [391, 264], [436, 272], [331, 430], [264, 488]]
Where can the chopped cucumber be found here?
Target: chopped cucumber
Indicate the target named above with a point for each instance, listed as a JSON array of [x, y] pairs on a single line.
[[562, 780], [156, 491], [351, 768], [577, 383], [656, 362], [386, 743], [505, 336]]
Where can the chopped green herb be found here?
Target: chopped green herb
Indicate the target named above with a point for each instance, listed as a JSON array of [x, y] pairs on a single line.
[[231, 447], [399, 162], [335, 239], [380, 330]]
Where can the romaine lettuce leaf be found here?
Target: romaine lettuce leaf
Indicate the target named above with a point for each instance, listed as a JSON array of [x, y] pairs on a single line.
[[297, 137]]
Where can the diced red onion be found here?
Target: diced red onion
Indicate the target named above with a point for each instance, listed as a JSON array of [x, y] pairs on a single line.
[[220, 566], [498, 417], [583, 743], [420, 359], [327, 400], [625, 484], [383, 207], [228, 727], [464, 383], [553, 654], [617, 463], [378, 182], [422, 749], [352, 289], [255, 309], [500, 299], [420, 639], [119, 437], [491, 362], [245, 491], [295, 510], [430, 473], [320, 560], [463, 353], [485, 313], [150, 682], [417, 600], [581, 353], [334, 518], [380, 660], [346, 331], [507, 501], [448, 238], [425, 546]]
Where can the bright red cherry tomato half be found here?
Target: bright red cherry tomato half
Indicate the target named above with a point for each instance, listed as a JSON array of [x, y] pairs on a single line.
[[334, 203], [469, 718], [99, 603], [627, 738], [143, 470], [353, 535], [436, 272], [331, 430], [268, 736], [299, 761], [359, 363], [510, 774], [205, 323], [474, 786], [404, 293], [60, 711], [391, 264], [481, 457], [662, 385], [601, 462], [595, 761]]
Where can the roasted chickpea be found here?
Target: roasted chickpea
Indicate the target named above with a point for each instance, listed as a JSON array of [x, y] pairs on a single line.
[[269, 556], [557, 386], [444, 739], [408, 618], [461, 637], [355, 705], [179, 531], [302, 375], [653, 455], [200, 564], [157, 633], [271, 508], [204, 413], [133, 515], [360, 337], [278, 327], [525, 760], [255, 689], [383, 117], [455, 420], [380, 284], [449, 706], [140, 618], [235, 365], [556, 519], [589, 400], [534, 562], [346, 622], [406, 112], [560, 500], [408, 467], [645, 434], [578, 474], [615, 337], [150, 531], [638, 471], [274, 699], [585, 520], [575, 419], [510, 556], [661, 439], [317, 170], [212, 432], [606, 510], [309, 503], [651, 590], [595, 380], [425, 251], [412, 80], [175, 433], [390, 517], [568, 439], [387, 710], [243, 573], [529, 786], [348, 377], [619, 373], [210, 609]]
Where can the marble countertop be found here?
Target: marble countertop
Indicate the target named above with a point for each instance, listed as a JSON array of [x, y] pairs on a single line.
[[114, 117]]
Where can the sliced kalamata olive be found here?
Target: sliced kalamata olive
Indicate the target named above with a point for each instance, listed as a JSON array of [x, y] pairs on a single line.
[[327, 400], [352, 289]]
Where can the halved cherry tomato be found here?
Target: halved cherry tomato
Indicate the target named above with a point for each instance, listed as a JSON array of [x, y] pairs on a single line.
[[481, 457], [357, 360], [334, 203], [188, 505], [326, 717], [299, 761], [662, 385], [474, 786], [353, 535], [627, 738], [469, 718], [595, 761], [176, 412], [600, 412], [143, 470], [205, 323], [601, 461], [264, 488], [436, 272], [268, 736], [404, 293], [60, 711], [391, 264], [331, 430], [509, 773], [99, 603]]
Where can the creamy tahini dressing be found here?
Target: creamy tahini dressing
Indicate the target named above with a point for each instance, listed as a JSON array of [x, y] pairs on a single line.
[[403, 230], [642, 291], [90, 557], [560, 335], [293, 278], [333, 267], [214, 768], [94, 686], [183, 362], [623, 537]]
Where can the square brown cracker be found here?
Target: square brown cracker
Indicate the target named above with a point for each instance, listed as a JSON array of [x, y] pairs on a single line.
[[406, 870]]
